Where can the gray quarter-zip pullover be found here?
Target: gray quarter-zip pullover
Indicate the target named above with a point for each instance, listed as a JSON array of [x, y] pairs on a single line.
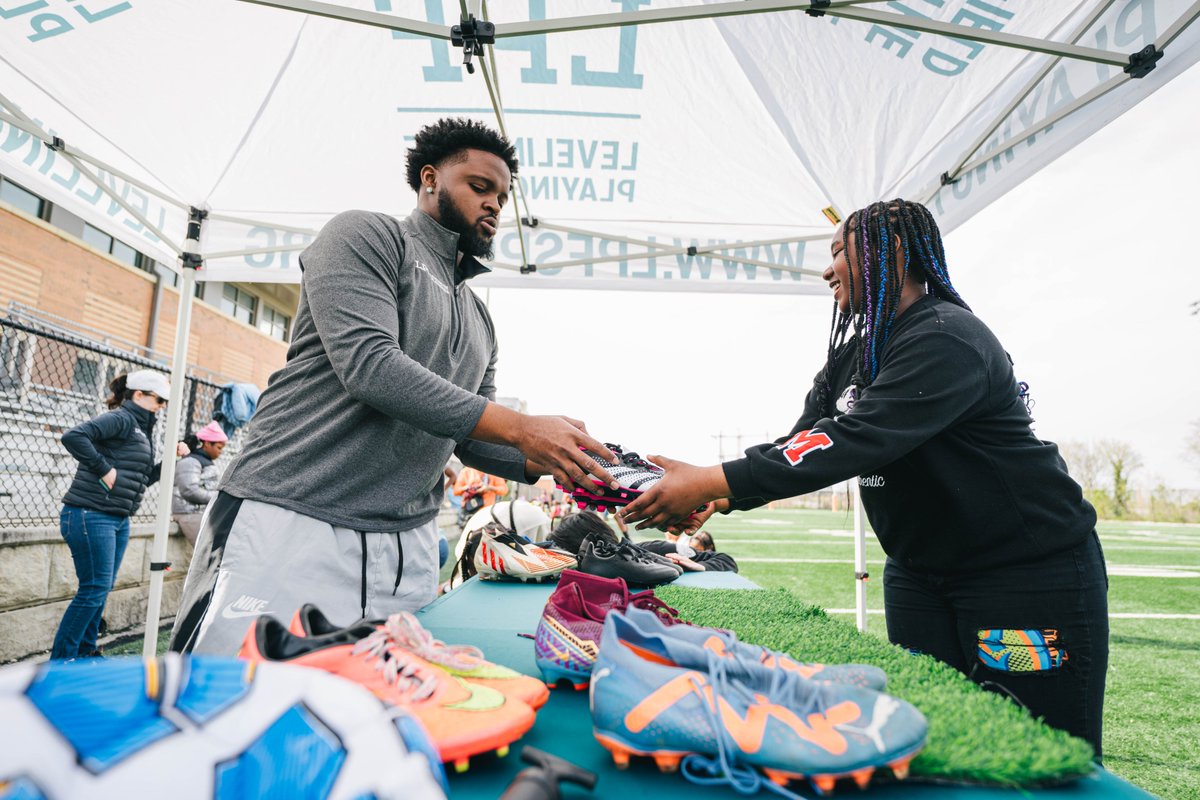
[[391, 364]]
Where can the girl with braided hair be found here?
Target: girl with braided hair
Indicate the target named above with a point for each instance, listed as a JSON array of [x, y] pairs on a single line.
[[993, 563]]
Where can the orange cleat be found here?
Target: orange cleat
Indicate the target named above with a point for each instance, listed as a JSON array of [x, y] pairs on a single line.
[[462, 661], [463, 718]]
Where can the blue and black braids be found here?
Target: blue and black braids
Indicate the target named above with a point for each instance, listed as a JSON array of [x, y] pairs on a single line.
[[895, 239]]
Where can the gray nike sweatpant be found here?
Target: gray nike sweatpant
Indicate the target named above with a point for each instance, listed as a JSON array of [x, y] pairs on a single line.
[[254, 558]]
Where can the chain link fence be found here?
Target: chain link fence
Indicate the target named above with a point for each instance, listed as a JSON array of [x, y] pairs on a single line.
[[50, 381]]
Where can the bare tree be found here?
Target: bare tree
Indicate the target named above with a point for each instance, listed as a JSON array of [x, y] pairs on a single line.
[[1084, 462], [1122, 460], [1191, 445]]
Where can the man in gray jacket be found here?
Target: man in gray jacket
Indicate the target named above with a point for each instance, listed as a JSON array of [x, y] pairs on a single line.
[[390, 371]]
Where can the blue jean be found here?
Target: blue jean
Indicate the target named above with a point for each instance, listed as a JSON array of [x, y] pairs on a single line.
[[97, 541], [1062, 598]]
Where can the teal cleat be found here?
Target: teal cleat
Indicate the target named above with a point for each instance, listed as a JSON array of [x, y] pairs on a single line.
[[720, 717], [726, 644]]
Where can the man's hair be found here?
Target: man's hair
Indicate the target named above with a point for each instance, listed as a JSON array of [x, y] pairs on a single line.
[[704, 540], [875, 229], [447, 140], [573, 529]]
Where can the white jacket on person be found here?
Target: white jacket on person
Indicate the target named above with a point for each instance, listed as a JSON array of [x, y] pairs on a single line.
[[196, 479]]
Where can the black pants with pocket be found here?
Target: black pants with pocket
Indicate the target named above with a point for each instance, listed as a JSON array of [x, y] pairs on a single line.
[[1037, 632]]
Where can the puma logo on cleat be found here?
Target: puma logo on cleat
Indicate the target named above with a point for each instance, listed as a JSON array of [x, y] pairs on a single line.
[[885, 706]]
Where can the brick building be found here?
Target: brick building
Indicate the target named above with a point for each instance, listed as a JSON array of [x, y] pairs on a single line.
[[57, 267]]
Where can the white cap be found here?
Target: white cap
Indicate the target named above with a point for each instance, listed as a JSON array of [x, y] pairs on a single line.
[[531, 522], [683, 546], [147, 380]]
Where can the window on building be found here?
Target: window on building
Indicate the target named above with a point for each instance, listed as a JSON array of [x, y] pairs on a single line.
[[239, 304], [124, 253], [97, 238], [169, 276], [85, 378], [274, 323], [116, 248], [23, 199]]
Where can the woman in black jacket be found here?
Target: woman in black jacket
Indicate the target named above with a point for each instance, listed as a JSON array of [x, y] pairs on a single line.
[[994, 566], [116, 464]]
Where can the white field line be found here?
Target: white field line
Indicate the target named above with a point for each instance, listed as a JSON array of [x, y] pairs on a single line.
[[1119, 570], [873, 542], [811, 543], [878, 611], [849, 564]]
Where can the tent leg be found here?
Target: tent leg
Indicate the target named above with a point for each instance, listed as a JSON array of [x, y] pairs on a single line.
[[162, 522], [860, 559]]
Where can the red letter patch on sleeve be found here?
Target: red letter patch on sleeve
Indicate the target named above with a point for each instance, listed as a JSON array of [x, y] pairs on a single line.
[[797, 447]]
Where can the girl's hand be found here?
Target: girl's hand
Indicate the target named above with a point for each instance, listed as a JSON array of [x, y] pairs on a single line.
[[697, 518], [682, 490]]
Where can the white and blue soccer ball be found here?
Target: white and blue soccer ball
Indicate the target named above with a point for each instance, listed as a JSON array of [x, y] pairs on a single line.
[[204, 727]]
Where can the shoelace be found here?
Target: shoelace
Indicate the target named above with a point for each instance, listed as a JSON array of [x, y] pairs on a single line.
[[648, 601], [726, 769], [398, 671], [634, 460], [412, 636]]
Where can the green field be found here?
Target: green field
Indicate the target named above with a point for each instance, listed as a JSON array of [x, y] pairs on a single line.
[[1152, 708]]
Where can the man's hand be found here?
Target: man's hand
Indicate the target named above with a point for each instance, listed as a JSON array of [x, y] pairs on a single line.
[[682, 490], [550, 444], [182, 449], [109, 478], [556, 444]]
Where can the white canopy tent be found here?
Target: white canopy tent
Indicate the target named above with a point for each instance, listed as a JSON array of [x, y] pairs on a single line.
[[669, 145]]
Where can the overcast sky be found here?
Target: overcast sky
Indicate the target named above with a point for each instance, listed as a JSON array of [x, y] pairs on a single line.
[[1085, 272]]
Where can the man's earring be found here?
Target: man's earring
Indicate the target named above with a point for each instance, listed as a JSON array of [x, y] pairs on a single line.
[[428, 190]]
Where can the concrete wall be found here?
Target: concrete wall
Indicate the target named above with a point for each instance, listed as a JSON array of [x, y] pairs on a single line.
[[39, 582]]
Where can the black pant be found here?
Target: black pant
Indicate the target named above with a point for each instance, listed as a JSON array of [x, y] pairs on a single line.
[[1037, 632]]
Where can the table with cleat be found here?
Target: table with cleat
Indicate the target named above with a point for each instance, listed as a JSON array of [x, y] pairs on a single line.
[[500, 618]]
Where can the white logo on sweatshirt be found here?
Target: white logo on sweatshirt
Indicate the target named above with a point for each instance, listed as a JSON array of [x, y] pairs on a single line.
[[845, 403], [440, 284], [244, 606], [872, 481]]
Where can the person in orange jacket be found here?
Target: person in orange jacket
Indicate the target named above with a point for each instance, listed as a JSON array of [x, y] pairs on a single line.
[[478, 490]]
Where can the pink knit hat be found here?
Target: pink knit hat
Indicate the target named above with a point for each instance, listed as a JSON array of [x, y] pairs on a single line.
[[211, 433]]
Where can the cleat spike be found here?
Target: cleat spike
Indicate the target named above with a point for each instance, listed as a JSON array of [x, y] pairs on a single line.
[[501, 752], [667, 762], [823, 783], [461, 765], [776, 777], [580, 687], [863, 776], [900, 768]]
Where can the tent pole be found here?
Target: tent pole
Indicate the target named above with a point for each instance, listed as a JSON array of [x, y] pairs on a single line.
[[860, 559], [1029, 87], [387, 21], [162, 521]]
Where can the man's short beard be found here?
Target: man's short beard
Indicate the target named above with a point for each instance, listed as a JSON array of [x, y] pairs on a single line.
[[469, 240]]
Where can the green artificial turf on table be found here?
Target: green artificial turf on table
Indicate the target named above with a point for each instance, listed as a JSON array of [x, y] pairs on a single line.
[[975, 736]]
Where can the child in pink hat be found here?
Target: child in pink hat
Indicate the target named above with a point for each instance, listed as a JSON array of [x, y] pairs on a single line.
[[196, 478]]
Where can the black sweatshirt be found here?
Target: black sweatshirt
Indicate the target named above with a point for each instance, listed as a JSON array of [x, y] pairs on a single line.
[[712, 560], [952, 477]]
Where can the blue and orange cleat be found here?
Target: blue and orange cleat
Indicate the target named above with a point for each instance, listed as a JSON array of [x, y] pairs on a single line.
[[726, 644], [656, 694]]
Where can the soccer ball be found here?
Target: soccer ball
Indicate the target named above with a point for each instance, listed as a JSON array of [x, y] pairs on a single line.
[[193, 727]]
